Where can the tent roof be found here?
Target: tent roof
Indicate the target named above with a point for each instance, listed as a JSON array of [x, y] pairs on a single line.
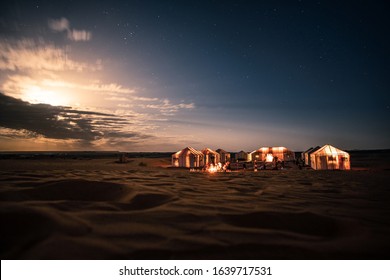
[[308, 150], [268, 149], [262, 149], [221, 151], [312, 150], [191, 150], [208, 150], [329, 150]]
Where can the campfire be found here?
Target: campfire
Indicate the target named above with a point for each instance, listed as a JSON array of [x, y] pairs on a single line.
[[212, 168]]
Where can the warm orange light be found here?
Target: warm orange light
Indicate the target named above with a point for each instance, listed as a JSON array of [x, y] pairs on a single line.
[[213, 168], [36, 94], [269, 158]]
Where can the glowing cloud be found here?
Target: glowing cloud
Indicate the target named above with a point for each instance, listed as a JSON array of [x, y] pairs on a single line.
[[28, 54], [53, 91]]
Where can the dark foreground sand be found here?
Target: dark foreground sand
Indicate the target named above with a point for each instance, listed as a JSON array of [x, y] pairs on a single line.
[[98, 209]]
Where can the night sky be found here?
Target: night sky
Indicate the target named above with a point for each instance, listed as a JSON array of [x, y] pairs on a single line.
[[162, 75]]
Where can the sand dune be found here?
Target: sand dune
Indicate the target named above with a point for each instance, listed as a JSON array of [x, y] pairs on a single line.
[[97, 209]]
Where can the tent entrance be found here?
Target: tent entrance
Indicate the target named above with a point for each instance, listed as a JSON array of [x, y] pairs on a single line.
[[343, 162]]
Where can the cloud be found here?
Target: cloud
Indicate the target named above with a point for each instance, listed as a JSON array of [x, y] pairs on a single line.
[[116, 98], [34, 71], [165, 107], [138, 98], [59, 25], [111, 88], [62, 123], [39, 126], [79, 35], [62, 24], [29, 54], [28, 88], [125, 105]]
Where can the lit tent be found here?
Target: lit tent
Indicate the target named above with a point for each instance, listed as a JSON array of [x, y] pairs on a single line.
[[242, 156], [303, 154], [269, 153], [188, 157], [224, 156], [306, 155], [329, 157], [210, 156]]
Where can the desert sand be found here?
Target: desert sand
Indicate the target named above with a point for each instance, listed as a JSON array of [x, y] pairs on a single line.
[[99, 209]]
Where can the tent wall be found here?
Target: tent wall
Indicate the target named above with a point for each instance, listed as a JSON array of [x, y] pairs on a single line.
[[224, 156], [306, 156], [330, 158], [210, 156], [282, 153], [308, 153], [241, 156], [188, 157]]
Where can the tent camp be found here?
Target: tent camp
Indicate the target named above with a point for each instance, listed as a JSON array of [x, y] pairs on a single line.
[[268, 154], [224, 156], [329, 157], [188, 157], [210, 156], [306, 155]]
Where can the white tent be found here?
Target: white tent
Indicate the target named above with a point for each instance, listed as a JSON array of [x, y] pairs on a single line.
[[306, 155], [224, 156], [269, 153], [188, 157], [210, 156], [329, 157], [242, 156]]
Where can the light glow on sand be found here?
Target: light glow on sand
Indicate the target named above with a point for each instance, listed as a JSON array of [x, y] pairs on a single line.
[[216, 168], [212, 168]]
